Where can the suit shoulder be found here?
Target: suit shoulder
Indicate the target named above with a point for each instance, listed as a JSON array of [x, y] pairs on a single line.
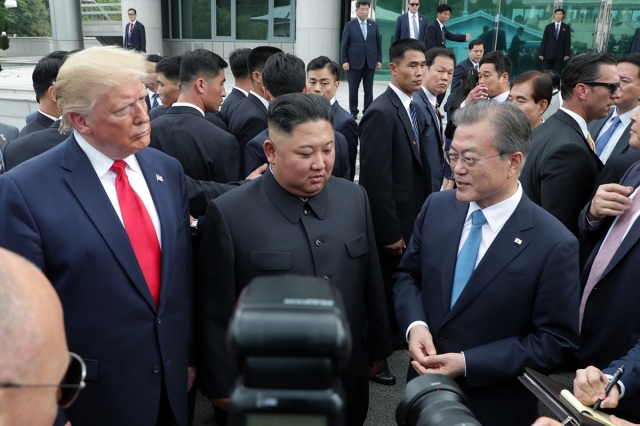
[[547, 226], [239, 197]]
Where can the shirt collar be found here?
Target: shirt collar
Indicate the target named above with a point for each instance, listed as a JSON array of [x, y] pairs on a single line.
[[134, 23], [187, 104], [100, 162], [263, 100], [501, 97], [333, 100], [581, 122], [432, 99], [362, 22], [441, 24], [242, 90], [403, 97], [625, 118], [47, 115], [411, 15], [498, 214], [291, 206]]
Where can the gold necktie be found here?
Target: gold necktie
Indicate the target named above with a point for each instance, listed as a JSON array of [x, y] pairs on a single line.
[[592, 144]]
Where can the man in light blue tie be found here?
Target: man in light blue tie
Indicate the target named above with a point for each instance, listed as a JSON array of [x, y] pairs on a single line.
[[489, 282]]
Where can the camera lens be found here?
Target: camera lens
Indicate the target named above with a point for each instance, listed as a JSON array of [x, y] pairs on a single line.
[[434, 400]]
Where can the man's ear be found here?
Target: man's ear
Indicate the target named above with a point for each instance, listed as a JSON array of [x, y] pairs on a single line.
[[269, 151], [79, 123]]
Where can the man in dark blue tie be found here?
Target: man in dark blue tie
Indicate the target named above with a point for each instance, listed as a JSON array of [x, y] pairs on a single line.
[[489, 283]]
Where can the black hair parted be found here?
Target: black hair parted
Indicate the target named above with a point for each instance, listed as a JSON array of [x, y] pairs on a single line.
[[200, 62], [288, 111]]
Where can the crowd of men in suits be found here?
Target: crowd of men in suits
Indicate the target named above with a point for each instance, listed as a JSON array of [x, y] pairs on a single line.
[[520, 264]]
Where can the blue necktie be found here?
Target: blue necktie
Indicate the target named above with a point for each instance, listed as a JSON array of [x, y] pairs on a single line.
[[155, 101], [414, 124], [364, 30], [466, 262], [557, 30], [602, 141]]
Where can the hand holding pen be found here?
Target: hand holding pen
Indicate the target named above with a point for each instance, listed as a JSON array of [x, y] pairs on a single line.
[[612, 383], [589, 386]]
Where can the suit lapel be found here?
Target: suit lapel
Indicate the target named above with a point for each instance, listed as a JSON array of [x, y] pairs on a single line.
[[566, 118], [434, 115], [86, 186], [623, 142], [452, 224], [508, 244], [253, 98], [406, 122]]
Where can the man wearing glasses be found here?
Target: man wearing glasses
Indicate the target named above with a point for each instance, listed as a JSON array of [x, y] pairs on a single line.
[[411, 24], [134, 34], [37, 373], [562, 168], [489, 283]]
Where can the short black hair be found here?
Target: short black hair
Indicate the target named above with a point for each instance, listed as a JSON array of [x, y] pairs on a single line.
[[541, 83], [434, 52], [200, 62], [559, 10], [476, 42], [258, 57], [499, 60], [554, 77], [170, 67], [363, 3], [631, 58], [46, 71], [152, 57], [324, 62], [238, 63], [283, 74], [443, 8], [134, 11], [581, 68], [398, 47], [291, 110]]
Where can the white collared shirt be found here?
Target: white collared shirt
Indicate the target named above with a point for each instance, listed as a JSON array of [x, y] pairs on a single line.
[[49, 116], [412, 33], [102, 166], [625, 119], [333, 100], [501, 97], [150, 93], [406, 100], [187, 104], [581, 121], [432, 100], [242, 90], [263, 100]]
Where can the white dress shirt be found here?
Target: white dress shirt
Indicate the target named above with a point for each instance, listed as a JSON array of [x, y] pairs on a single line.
[[150, 93], [187, 104], [406, 100], [412, 33], [625, 119], [581, 122], [102, 165], [263, 100], [49, 116]]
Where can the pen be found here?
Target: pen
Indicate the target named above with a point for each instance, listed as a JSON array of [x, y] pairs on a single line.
[[611, 384]]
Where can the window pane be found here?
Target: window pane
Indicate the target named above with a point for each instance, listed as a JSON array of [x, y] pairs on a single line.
[[164, 13], [582, 16], [252, 19], [223, 18], [282, 18], [625, 19], [175, 19], [385, 14]]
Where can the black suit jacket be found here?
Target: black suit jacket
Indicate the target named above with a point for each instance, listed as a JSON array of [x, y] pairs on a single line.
[[552, 49], [41, 122], [433, 36], [249, 119], [356, 50], [344, 124], [32, 145], [205, 151], [431, 139], [604, 338], [403, 30], [622, 145], [395, 175], [230, 104], [138, 37], [260, 229], [211, 117], [561, 169]]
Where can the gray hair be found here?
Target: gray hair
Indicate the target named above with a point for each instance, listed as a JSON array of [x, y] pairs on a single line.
[[287, 111], [512, 129]]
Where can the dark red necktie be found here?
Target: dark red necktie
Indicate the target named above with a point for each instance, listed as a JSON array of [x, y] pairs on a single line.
[[139, 227]]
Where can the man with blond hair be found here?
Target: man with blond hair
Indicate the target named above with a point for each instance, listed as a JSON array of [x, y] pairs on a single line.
[[107, 221]]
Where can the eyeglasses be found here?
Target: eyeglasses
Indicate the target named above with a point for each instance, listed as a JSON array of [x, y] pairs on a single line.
[[452, 159], [132, 14], [70, 386], [414, 4], [612, 86]]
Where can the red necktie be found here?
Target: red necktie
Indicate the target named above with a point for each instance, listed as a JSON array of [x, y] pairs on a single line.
[[139, 227]]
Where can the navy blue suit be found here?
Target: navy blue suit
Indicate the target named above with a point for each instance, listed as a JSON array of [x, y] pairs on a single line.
[[55, 212], [344, 124], [362, 56], [431, 139], [32, 145], [138, 37], [519, 308], [230, 104], [403, 30], [40, 122], [249, 119]]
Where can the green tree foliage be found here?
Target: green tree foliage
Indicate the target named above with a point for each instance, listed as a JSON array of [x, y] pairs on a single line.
[[29, 19]]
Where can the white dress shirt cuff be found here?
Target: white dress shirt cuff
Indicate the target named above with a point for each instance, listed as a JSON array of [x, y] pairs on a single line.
[[413, 324], [465, 364], [620, 383]]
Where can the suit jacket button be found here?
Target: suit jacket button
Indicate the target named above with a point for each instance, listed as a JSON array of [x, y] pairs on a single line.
[[158, 321], [318, 243], [442, 336], [306, 212], [156, 369]]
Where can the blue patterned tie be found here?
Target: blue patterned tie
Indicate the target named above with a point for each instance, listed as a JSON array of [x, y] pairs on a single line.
[[155, 101], [602, 141], [466, 262], [414, 124]]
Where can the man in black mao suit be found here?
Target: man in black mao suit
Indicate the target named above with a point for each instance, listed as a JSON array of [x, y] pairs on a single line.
[[134, 34], [562, 168], [394, 168], [405, 27], [489, 283], [437, 29], [238, 62], [205, 151], [296, 219], [609, 282], [361, 55], [555, 47]]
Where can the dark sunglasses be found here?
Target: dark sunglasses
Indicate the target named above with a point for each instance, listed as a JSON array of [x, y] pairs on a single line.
[[612, 86], [414, 4], [70, 386]]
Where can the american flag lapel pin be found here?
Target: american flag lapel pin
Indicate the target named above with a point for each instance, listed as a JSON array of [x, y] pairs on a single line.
[[159, 178]]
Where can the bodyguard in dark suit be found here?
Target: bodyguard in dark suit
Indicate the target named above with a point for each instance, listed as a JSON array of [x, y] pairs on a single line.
[[562, 168], [134, 34], [489, 284], [322, 79], [437, 33], [296, 219], [238, 62], [611, 134], [126, 284], [411, 24], [361, 55], [394, 168], [32, 145], [205, 151], [476, 51], [555, 47]]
